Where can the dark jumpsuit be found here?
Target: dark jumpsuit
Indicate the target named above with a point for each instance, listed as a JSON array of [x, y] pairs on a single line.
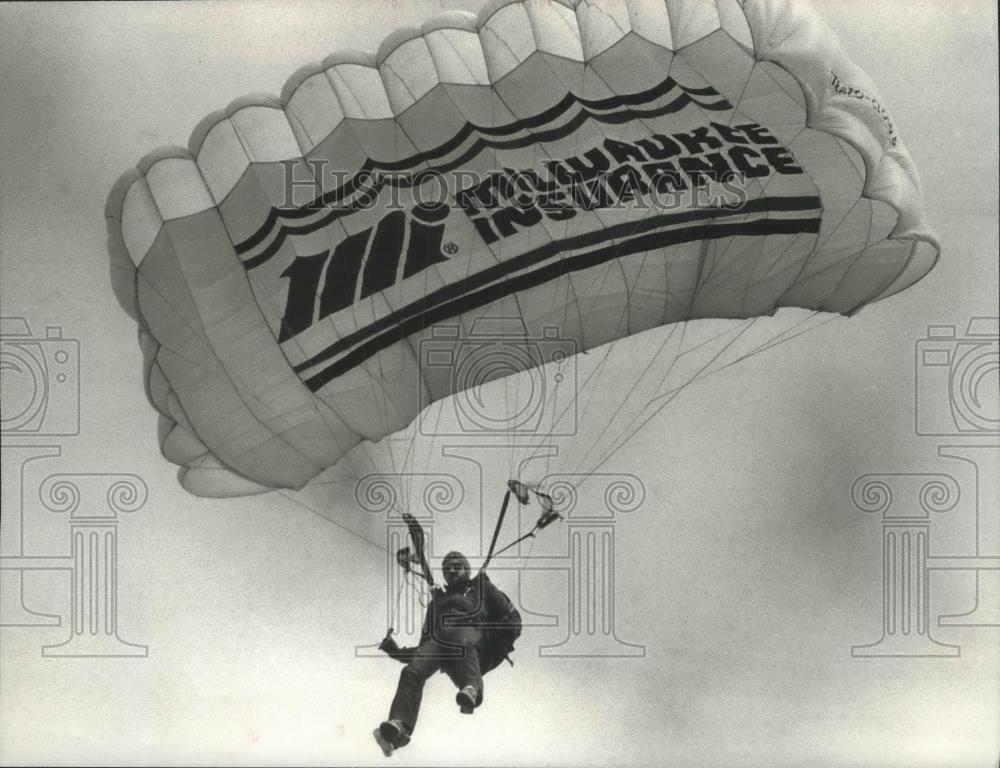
[[455, 640]]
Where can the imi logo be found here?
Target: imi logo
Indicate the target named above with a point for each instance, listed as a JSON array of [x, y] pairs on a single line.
[[362, 264]]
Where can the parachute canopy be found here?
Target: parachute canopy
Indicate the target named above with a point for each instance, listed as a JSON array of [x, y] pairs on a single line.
[[308, 273]]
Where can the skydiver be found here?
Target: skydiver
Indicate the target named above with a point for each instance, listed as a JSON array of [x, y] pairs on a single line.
[[456, 640]]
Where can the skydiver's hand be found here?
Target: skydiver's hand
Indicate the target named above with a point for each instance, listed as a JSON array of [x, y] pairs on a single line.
[[388, 644]]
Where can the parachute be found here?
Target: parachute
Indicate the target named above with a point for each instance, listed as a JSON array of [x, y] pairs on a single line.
[[605, 198]]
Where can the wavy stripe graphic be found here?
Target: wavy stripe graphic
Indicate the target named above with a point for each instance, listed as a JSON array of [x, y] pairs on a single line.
[[487, 137]]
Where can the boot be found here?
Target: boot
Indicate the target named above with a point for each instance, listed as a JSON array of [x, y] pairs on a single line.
[[391, 735], [466, 699]]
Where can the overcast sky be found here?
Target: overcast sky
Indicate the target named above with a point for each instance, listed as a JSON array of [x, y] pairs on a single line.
[[747, 574]]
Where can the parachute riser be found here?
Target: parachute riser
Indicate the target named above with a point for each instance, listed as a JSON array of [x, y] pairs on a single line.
[[521, 492], [407, 558]]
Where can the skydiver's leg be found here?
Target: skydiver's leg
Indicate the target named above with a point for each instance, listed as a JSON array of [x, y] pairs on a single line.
[[406, 704], [466, 670]]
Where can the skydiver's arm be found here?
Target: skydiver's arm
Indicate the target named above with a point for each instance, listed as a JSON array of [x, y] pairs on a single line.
[[495, 604], [392, 649], [405, 655]]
